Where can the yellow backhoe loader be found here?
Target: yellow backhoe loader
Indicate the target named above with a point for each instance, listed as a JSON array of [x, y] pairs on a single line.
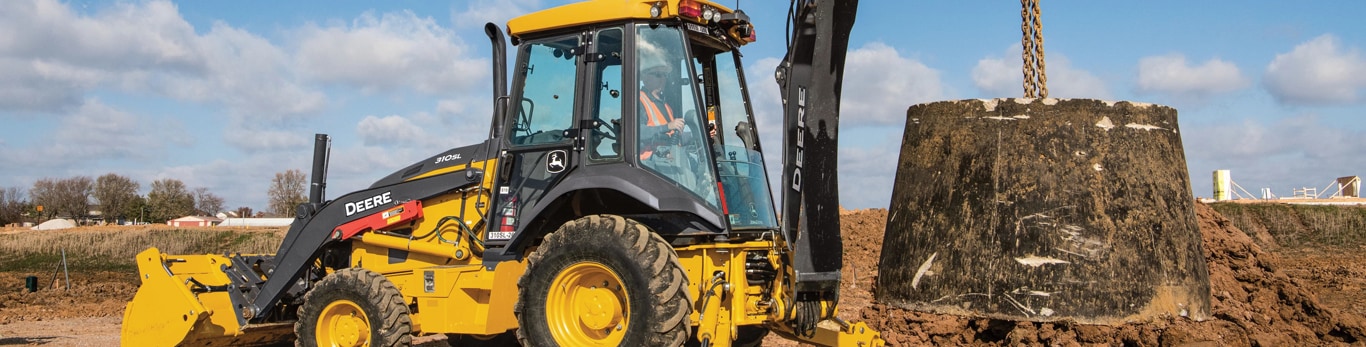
[[620, 199]]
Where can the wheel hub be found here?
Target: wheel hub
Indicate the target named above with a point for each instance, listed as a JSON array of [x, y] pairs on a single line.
[[343, 323], [598, 308], [587, 306]]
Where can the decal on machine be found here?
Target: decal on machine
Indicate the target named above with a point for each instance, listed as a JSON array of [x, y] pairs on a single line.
[[369, 203], [448, 157], [554, 163]]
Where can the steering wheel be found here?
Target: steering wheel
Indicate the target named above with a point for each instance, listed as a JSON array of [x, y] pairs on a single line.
[[612, 129]]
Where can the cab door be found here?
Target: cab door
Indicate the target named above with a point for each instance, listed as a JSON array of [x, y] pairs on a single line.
[[539, 147]]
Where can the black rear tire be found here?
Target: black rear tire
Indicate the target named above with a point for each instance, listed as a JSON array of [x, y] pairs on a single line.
[[745, 336], [507, 339], [749, 336], [582, 261], [353, 305]]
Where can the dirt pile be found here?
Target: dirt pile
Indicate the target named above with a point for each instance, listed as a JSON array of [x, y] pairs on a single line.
[[101, 294], [1255, 303]]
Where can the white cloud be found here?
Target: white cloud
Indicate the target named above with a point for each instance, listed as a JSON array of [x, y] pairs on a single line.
[[391, 129], [879, 84], [1317, 72], [248, 74], [1301, 135], [122, 36], [395, 51], [478, 12], [1172, 74], [51, 56], [26, 87], [93, 133], [867, 173], [997, 77], [54, 57], [255, 139]]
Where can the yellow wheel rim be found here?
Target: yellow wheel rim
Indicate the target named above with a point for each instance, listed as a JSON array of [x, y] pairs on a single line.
[[343, 323], [587, 306]]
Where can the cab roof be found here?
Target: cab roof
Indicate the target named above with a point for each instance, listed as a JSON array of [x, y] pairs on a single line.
[[597, 11]]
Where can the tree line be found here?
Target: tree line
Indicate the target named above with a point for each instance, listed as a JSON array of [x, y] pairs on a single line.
[[117, 199]]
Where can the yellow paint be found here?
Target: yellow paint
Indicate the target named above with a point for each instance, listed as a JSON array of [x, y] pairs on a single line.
[[165, 312], [724, 311], [342, 323], [586, 13], [588, 305], [490, 163]]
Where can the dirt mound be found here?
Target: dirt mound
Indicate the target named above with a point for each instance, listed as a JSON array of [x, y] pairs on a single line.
[[1254, 304], [100, 294], [1257, 301]]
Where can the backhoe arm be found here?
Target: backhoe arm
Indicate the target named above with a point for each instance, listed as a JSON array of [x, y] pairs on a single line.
[[811, 76]]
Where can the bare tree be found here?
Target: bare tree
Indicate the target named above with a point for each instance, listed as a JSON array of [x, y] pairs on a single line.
[[69, 197], [12, 205], [168, 200], [114, 193], [207, 203], [244, 212], [287, 192], [43, 195]]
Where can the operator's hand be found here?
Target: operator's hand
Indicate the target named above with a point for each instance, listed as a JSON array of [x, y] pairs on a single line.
[[676, 124]]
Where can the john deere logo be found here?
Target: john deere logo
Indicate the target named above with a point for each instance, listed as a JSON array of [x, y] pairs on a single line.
[[555, 162]]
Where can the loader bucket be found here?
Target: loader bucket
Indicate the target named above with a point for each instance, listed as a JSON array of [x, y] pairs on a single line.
[[173, 307]]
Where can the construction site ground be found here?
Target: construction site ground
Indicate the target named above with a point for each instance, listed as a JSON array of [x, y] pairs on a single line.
[[1262, 296]]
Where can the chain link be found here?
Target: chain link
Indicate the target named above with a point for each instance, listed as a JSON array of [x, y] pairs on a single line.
[[1031, 40]]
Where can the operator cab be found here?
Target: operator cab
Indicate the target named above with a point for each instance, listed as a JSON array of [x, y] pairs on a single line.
[[715, 155], [644, 110]]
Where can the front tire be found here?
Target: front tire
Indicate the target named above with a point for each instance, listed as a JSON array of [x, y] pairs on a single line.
[[353, 307], [603, 280]]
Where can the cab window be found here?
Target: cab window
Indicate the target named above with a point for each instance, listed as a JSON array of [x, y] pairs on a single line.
[[546, 106], [604, 138]]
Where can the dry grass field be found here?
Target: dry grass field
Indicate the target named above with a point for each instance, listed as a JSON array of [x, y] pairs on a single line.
[[112, 248]]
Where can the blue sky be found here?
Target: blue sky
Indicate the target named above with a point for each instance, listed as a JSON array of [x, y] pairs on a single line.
[[225, 94]]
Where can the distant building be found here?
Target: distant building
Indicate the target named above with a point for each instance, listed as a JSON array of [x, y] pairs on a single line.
[[256, 222], [194, 221]]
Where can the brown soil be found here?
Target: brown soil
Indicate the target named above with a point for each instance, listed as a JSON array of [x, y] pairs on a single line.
[[1257, 301], [1295, 297]]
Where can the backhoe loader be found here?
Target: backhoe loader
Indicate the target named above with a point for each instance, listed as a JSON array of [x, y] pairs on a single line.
[[620, 199]]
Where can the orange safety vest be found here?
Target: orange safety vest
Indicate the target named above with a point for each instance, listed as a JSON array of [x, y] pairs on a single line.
[[656, 118]]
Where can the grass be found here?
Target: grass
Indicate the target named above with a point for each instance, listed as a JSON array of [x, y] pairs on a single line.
[[114, 248], [1300, 225]]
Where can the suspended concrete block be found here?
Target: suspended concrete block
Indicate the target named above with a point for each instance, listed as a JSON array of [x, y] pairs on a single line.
[[1044, 210]]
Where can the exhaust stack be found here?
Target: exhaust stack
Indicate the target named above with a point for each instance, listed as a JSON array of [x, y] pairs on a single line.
[[322, 148]]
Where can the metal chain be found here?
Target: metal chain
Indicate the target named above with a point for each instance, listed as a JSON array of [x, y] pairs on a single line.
[[1031, 26]]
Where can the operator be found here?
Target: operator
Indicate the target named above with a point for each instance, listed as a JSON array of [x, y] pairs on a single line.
[[661, 124]]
